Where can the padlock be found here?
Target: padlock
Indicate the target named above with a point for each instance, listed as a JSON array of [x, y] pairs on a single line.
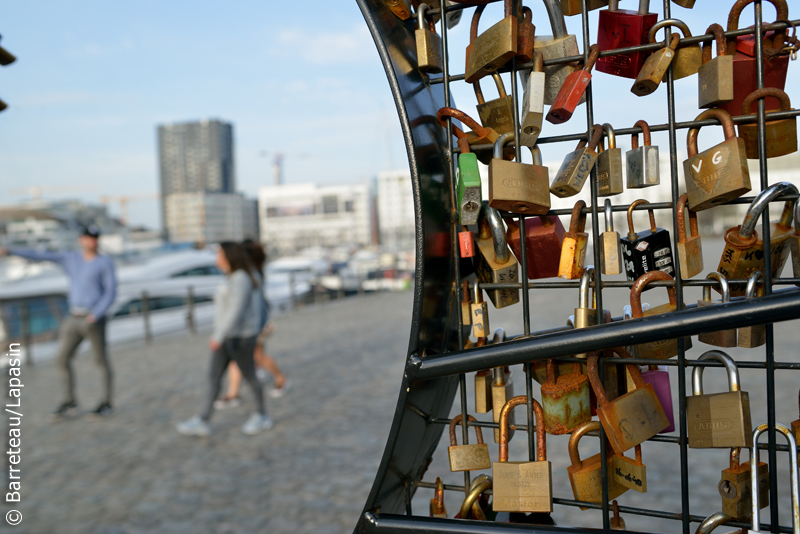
[[565, 400], [466, 312], [659, 378], [476, 503], [400, 8], [544, 236], [585, 476], [515, 186], [557, 46], [794, 242], [662, 349], [734, 487], [755, 506], [576, 167], [485, 137], [493, 48], [750, 337], [572, 91], [631, 473], [710, 523], [574, 7], [573, 250], [467, 457], [502, 391], [468, 178], [466, 245], [429, 44], [495, 264], [621, 28], [616, 522], [648, 250], [654, 68], [742, 48], [609, 245], [497, 114], [522, 486], [479, 313], [719, 420], [483, 391], [720, 338], [715, 77], [609, 166], [744, 251], [717, 175], [688, 59], [586, 312], [631, 418], [781, 135], [526, 33], [438, 509], [690, 250], [642, 163], [533, 102]]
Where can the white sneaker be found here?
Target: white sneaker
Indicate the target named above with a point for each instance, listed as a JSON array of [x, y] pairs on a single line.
[[194, 427], [225, 403], [277, 393], [257, 424]]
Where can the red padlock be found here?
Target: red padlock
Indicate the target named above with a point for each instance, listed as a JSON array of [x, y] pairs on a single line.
[[620, 28], [465, 243], [543, 238], [569, 96], [742, 49]]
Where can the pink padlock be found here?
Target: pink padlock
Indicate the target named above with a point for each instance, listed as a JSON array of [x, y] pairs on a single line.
[[660, 380]]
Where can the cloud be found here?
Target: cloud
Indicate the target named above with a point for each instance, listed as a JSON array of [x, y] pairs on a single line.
[[326, 48]]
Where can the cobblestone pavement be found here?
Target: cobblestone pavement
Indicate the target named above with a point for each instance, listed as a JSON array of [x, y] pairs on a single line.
[[134, 473]]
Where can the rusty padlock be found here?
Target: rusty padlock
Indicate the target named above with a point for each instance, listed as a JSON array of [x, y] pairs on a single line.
[[573, 250], [565, 400], [438, 509], [734, 486], [781, 135], [690, 250]]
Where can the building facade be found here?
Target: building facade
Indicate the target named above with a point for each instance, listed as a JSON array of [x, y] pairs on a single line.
[[203, 217], [395, 207]]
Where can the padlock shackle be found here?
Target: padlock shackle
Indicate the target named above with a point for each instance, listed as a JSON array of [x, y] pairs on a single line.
[[465, 295], [609, 215], [556, 16], [724, 119], [761, 201], [712, 522], [477, 297], [536, 154], [421, 9], [505, 413], [719, 37], [755, 509], [730, 367], [538, 61], [498, 82], [616, 522], [491, 224], [756, 278], [479, 485], [508, 7], [612, 137], [597, 135], [669, 22], [438, 497], [594, 373], [594, 53], [497, 151], [644, 7], [499, 335], [758, 94], [577, 222], [639, 285], [583, 292], [457, 421], [632, 235], [682, 209], [638, 454], [724, 288], [782, 10], [476, 18], [575, 437], [459, 115], [645, 134], [734, 458]]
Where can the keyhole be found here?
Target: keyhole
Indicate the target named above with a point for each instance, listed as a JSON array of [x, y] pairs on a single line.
[[727, 490]]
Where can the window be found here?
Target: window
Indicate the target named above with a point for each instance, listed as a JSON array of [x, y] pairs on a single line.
[[205, 270], [330, 204]]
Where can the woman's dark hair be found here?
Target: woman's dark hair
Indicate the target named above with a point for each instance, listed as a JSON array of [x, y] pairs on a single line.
[[238, 258], [258, 256]]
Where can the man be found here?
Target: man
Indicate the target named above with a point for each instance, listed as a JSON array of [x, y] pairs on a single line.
[[92, 290]]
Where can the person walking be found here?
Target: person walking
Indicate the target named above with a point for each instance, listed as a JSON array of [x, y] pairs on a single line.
[[92, 290], [236, 324]]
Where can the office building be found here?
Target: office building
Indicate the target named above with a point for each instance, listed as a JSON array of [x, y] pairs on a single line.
[[395, 207], [203, 217]]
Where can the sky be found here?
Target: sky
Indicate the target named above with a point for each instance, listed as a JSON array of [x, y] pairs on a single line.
[[94, 78]]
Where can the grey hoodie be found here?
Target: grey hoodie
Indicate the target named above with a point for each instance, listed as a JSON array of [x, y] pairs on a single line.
[[238, 311]]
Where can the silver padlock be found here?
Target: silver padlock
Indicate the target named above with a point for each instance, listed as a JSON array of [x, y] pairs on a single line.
[[556, 46], [533, 102], [642, 162], [755, 510]]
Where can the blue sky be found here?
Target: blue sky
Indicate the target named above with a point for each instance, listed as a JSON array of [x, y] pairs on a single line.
[[93, 80]]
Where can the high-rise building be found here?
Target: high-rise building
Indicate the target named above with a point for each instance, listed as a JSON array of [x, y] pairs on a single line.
[[211, 217], [396, 211]]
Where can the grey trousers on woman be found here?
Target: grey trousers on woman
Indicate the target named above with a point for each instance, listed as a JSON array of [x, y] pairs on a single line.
[[239, 350], [73, 330]]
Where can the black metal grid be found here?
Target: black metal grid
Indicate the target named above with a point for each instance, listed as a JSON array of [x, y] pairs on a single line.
[[560, 342]]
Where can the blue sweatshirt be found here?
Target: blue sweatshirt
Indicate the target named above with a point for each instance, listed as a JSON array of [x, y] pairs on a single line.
[[93, 284]]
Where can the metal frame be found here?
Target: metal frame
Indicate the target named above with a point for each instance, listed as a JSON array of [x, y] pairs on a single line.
[[436, 364]]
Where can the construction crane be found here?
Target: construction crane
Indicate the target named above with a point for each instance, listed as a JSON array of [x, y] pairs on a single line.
[[124, 200]]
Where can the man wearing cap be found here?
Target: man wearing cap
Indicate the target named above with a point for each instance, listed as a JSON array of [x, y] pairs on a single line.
[[92, 290]]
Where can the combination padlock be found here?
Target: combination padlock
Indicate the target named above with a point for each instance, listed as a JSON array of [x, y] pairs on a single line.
[[648, 250]]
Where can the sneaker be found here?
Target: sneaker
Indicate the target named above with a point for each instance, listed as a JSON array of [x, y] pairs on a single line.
[[194, 427], [227, 402], [104, 410], [277, 393], [65, 410], [256, 424]]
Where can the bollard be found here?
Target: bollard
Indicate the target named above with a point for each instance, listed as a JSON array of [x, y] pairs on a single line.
[[190, 310], [148, 335]]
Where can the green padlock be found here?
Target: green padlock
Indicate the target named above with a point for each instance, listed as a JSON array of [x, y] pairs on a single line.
[[468, 181]]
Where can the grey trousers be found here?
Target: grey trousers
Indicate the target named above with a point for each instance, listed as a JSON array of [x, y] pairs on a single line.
[[73, 330], [240, 350]]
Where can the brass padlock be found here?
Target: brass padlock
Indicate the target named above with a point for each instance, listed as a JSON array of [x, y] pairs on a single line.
[[744, 251], [688, 59], [502, 391], [719, 420], [479, 313], [476, 503], [533, 102], [654, 68], [750, 337], [574, 7], [609, 245], [467, 457], [717, 175], [573, 249], [493, 48], [664, 348], [631, 473], [576, 167], [734, 487], [585, 476], [556, 46], [483, 391], [517, 187], [609, 166], [466, 312], [438, 509], [720, 338], [642, 163], [616, 522], [495, 264], [631, 418], [690, 250], [497, 114], [429, 44], [522, 486], [585, 314], [781, 135], [715, 77], [565, 399]]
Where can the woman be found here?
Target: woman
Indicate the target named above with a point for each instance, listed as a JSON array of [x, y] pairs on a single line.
[[263, 360], [235, 328]]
